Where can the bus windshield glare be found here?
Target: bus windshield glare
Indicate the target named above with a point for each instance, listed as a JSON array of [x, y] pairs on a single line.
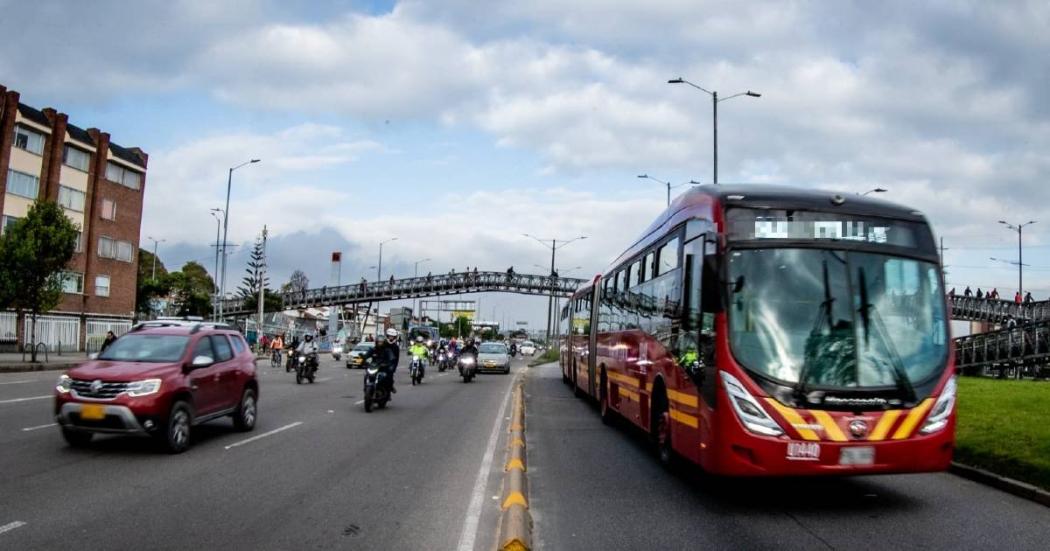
[[836, 319]]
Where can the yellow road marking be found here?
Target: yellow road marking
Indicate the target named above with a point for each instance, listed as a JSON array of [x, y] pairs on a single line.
[[831, 428], [882, 428], [913, 418], [515, 464], [794, 419], [517, 442]]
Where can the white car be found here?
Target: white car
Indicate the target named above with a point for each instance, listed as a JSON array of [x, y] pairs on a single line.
[[527, 348]]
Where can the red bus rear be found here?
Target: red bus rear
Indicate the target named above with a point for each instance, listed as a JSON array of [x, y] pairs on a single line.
[[758, 330]]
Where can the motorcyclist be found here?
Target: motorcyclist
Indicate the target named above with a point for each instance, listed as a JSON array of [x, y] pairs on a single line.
[[418, 349], [309, 348], [385, 355], [470, 348]]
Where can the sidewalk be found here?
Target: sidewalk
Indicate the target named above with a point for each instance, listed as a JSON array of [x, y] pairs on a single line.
[[11, 362]]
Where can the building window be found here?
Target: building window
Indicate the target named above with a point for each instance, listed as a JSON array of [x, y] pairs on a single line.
[[25, 185], [7, 221], [73, 283], [123, 176], [102, 286], [124, 251], [70, 198], [107, 248], [109, 209], [29, 140], [80, 242], [76, 158]]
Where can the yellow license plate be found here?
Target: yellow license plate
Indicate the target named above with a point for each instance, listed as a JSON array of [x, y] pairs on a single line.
[[490, 364], [92, 412], [358, 360]]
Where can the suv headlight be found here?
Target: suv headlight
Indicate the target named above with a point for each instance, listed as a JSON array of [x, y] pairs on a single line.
[[65, 384], [754, 418], [143, 388], [941, 410]]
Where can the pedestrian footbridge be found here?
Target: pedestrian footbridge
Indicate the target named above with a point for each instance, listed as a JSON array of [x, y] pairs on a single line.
[[997, 311], [418, 287]]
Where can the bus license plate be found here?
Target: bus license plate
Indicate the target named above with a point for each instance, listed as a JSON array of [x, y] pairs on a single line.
[[803, 451], [857, 456]]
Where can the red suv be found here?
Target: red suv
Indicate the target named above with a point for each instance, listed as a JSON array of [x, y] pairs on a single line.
[[160, 379]]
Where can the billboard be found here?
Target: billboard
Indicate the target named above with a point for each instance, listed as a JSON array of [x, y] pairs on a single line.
[[469, 314]]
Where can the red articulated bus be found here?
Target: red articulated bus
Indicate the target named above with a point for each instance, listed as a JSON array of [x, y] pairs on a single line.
[[761, 330]]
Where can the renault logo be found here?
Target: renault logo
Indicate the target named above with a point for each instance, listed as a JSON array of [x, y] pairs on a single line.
[[96, 386], [858, 428]]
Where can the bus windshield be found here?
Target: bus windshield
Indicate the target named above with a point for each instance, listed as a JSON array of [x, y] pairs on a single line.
[[836, 319]]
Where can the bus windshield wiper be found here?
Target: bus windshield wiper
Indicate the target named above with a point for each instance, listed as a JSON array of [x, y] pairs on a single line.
[[870, 317], [824, 319]]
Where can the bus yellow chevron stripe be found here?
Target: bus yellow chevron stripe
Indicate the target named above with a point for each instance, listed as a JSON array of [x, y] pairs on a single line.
[[914, 417], [882, 428], [831, 428], [794, 419]]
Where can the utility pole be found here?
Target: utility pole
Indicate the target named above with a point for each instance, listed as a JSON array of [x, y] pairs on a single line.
[[943, 265], [215, 295], [155, 241], [1019, 228], [262, 287]]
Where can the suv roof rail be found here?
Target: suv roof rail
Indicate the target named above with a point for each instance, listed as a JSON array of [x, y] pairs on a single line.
[[194, 325]]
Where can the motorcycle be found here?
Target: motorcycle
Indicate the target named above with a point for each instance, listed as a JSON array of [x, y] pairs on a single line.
[[445, 361], [416, 370], [376, 391], [306, 368], [290, 364], [467, 367]]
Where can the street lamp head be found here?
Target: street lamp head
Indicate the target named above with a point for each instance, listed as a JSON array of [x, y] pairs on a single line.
[[254, 160], [643, 175], [1004, 222], [695, 183], [676, 81], [752, 94]]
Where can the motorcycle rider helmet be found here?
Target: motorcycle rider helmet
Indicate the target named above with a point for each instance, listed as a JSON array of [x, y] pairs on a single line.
[[391, 334], [309, 338], [419, 339]]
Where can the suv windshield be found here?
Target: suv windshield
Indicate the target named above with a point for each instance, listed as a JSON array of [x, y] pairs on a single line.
[[146, 348], [836, 319]]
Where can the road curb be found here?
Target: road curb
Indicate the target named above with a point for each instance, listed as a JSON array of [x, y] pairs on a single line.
[[515, 528], [27, 368], [1009, 485]]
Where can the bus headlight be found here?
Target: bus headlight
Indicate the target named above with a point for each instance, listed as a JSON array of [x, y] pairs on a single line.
[[754, 418], [941, 411]]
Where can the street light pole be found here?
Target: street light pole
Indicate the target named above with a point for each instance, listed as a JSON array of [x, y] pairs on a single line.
[[1019, 228], [554, 246], [379, 267], [225, 230], [215, 274], [155, 242], [714, 108], [668, 184], [876, 190], [415, 273]]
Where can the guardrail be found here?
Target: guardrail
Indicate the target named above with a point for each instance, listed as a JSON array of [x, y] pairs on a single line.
[[996, 310], [418, 287]]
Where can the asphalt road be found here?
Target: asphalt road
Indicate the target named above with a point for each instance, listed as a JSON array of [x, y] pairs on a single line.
[[319, 472], [596, 487]]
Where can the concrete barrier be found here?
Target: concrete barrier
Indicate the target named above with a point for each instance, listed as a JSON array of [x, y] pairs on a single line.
[[515, 530]]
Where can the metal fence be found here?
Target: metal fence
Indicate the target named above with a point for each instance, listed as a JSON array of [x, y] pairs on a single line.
[[1022, 351], [97, 329], [8, 327], [58, 333], [997, 311]]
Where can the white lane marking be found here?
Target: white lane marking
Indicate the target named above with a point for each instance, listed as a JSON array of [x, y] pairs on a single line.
[[359, 402], [18, 382], [264, 435], [470, 523], [38, 427], [11, 526], [14, 400], [323, 379]]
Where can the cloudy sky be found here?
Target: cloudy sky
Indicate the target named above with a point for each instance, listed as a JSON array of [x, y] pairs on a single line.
[[458, 126]]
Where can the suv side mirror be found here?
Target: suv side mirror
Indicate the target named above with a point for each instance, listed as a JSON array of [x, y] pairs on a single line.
[[202, 361]]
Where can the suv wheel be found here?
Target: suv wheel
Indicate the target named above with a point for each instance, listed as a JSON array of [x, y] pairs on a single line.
[[76, 439], [176, 438], [247, 411]]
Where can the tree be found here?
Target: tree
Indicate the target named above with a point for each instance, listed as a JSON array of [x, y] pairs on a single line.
[[149, 288], [297, 283], [33, 253], [461, 326], [255, 278], [271, 302], [191, 290]]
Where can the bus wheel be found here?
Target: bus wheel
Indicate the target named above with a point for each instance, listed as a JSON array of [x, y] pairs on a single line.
[[604, 409], [660, 432]]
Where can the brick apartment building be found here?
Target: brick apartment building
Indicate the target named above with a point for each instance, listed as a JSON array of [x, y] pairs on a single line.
[[100, 185]]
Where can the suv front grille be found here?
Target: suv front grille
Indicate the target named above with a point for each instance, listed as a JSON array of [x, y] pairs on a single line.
[[107, 391]]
